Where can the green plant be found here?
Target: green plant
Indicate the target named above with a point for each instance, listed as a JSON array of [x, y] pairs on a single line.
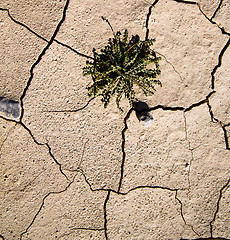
[[121, 65]]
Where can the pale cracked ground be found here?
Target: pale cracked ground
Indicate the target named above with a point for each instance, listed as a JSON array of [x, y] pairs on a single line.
[[71, 169]]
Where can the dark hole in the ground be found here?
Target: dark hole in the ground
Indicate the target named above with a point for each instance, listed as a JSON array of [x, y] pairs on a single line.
[[142, 112]]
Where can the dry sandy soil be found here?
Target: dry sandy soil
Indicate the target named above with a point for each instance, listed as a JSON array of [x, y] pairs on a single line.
[[70, 169]]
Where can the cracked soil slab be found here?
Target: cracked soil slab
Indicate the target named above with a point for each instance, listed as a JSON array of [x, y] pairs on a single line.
[[71, 169], [188, 42], [158, 215], [158, 154], [73, 210], [74, 137], [28, 174], [209, 170]]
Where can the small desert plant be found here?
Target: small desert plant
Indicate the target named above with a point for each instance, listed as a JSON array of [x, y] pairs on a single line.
[[121, 65]]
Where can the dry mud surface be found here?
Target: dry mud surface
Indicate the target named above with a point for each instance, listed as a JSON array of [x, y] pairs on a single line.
[[70, 169]]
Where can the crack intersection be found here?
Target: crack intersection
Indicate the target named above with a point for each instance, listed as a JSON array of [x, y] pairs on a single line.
[[49, 149], [223, 126], [217, 9], [42, 204], [41, 37], [213, 22], [40, 57]]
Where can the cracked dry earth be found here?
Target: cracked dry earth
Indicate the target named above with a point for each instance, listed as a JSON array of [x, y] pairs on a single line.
[[71, 169]]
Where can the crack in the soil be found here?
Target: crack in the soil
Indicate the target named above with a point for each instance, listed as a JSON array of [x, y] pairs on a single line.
[[147, 19], [218, 207], [114, 191], [166, 108], [223, 126], [86, 180], [49, 149], [41, 37], [181, 213], [126, 193], [22, 24], [146, 186], [123, 147], [55, 160], [42, 204], [90, 229], [71, 110], [200, 103], [217, 9], [226, 137], [105, 215], [219, 63], [213, 22], [83, 152], [38, 143], [72, 49], [75, 229], [40, 57], [186, 2], [171, 65]]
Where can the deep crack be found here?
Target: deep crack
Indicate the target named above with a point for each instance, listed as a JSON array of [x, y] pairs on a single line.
[[49, 149], [166, 108], [147, 19], [217, 238], [55, 160], [72, 49], [223, 126], [219, 63], [23, 25], [147, 186], [217, 9], [226, 137], [213, 22], [91, 229], [40, 57], [186, 2], [41, 37], [105, 215], [218, 207], [123, 147], [200, 103]]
